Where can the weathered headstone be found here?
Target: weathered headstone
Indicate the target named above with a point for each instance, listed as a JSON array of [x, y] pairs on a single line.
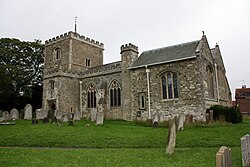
[[211, 115], [224, 157], [245, 150], [171, 136], [14, 114], [77, 116], [181, 119], [155, 119], [1, 113], [28, 112], [99, 118], [188, 119], [207, 118], [6, 115], [93, 114], [39, 114]]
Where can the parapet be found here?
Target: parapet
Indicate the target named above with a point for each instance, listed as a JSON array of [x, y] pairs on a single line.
[[128, 47], [71, 34]]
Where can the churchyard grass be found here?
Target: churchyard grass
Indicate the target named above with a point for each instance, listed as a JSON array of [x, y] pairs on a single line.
[[116, 143]]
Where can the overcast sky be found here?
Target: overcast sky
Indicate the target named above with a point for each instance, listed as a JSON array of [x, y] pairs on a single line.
[[147, 24]]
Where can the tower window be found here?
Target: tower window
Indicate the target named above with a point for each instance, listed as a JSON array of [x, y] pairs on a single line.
[[115, 94], [169, 86], [57, 53], [87, 62]]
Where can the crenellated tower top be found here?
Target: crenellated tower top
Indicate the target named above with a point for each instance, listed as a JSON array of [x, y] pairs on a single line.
[[128, 47], [76, 36]]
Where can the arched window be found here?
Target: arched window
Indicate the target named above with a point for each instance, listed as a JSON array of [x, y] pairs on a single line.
[[51, 87], [210, 82], [169, 85], [87, 62], [57, 53], [91, 96], [115, 94]]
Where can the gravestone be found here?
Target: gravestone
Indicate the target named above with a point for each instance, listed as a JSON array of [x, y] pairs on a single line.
[[6, 115], [1, 113], [245, 150], [211, 115], [14, 114], [39, 114], [156, 119], [99, 118], [188, 119], [224, 157], [181, 120], [28, 112], [207, 118], [171, 136], [77, 116], [93, 114]]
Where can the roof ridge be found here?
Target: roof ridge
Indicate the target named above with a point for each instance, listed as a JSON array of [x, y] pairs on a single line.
[[171, 46]]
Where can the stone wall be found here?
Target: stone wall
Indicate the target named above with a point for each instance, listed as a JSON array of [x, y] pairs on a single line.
[[190, 90]]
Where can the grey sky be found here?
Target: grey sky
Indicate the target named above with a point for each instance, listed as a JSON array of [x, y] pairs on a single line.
[[147, 24]]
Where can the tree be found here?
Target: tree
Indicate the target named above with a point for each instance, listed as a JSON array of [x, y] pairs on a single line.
[[21, 66]]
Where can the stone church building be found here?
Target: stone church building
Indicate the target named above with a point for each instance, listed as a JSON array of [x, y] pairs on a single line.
[[185, 78]]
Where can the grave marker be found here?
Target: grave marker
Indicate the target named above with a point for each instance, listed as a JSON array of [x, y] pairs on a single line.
[[171, 136]]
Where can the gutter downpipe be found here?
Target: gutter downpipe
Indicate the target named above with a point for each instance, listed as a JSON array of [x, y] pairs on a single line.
[[80, 82], [149, 107]]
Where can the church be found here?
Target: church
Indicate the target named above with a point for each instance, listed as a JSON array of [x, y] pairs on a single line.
[[185, 78]]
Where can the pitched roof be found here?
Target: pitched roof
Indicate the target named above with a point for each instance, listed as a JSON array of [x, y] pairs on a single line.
[[166, 54]]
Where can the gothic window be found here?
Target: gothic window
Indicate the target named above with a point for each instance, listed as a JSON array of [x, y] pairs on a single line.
[[87, 62], [91, 96], [142, 100], [115, 94], [169, 85], [210, 82], [57, 53]]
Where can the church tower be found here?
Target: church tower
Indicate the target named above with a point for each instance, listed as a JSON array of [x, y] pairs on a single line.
[[66, 57]]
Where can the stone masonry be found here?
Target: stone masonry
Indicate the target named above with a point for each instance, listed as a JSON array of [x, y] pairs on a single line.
[[74, 72]]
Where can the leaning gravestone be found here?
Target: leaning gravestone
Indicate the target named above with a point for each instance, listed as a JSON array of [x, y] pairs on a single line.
[[93, 114], [28, 112], [6, 115], [14, 114], [39, 114], [181, 120], [171, 136], [99, 118], [245, 150], [224, 157]]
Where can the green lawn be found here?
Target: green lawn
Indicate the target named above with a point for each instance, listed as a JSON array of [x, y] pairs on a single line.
[[116, 143]]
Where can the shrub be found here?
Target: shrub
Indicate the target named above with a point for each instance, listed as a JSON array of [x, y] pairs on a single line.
[[231, 114]]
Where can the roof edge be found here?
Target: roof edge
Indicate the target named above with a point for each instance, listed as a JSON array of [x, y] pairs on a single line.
[[164, 62]]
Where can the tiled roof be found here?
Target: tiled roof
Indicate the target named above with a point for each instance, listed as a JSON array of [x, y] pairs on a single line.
[[166, 54]]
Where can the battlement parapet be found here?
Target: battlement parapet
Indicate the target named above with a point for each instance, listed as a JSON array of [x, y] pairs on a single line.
[[129, 46], [71, 34]]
